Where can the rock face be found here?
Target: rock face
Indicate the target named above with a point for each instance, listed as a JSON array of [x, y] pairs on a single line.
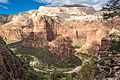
[[5, 18], [25, 23], [62, 47], [72, 22], [35, 40], [10, 66]]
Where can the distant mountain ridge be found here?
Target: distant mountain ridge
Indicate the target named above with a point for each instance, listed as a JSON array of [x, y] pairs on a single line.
[[74, 5]]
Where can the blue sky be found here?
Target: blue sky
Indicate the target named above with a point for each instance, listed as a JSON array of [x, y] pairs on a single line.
[[16, 6]]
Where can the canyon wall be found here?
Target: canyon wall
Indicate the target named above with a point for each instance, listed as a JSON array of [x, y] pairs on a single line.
[[74, 22]]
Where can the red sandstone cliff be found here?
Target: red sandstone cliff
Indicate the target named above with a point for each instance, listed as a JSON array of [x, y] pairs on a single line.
[[89, 27]]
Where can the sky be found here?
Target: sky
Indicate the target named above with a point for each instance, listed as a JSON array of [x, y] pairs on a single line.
[[16, 6]]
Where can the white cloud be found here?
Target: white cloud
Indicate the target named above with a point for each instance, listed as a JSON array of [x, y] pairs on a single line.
[[93, 3], [4, 7], [4, 1]]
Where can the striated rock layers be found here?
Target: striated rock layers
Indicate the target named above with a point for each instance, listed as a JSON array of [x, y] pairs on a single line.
[[52, 21], [10, 66]]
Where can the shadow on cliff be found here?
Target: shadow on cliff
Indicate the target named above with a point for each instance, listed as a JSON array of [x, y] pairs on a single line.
[[49, 30]]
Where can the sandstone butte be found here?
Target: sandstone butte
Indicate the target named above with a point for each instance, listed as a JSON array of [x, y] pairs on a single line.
[[74, 22]]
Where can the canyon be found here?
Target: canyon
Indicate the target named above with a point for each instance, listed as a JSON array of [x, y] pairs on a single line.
[[77, 23], [52, 35]]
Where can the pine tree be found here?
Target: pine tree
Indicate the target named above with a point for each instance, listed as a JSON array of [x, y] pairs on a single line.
[[113, 5]]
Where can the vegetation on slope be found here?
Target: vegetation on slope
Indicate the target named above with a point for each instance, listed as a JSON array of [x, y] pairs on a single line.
[[41, 64]]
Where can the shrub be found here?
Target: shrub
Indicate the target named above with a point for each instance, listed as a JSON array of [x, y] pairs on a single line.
[[89, 70]]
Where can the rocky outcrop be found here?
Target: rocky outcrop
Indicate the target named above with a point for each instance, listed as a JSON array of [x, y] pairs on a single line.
[[113, 37], [5, 18], [10, 66], [109, 55]]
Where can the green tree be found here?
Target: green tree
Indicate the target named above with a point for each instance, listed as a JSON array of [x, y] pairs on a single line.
[[89, 70], [113, 5]]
